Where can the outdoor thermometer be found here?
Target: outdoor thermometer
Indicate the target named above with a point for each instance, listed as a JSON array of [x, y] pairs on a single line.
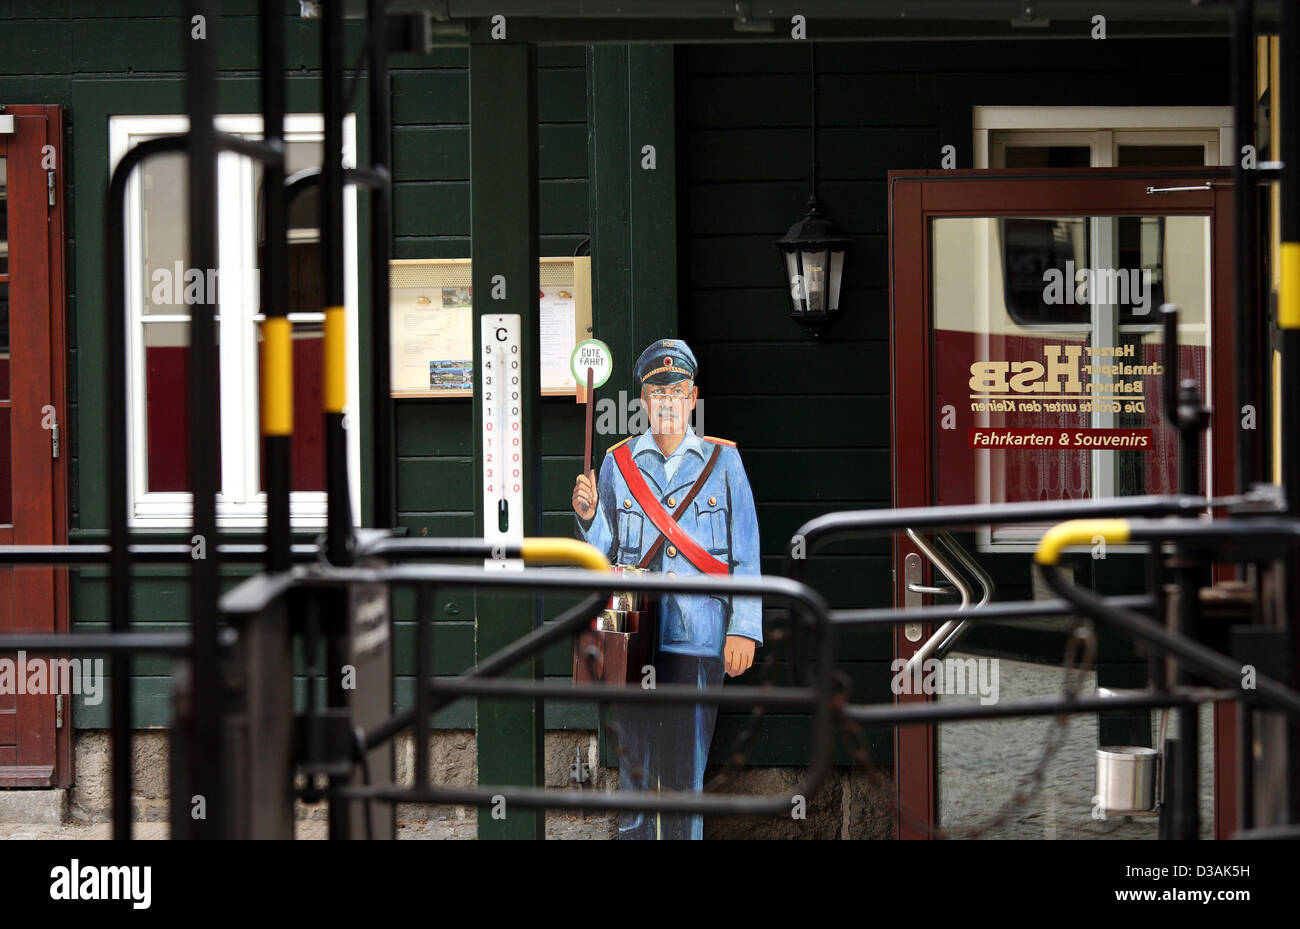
[[502, 438]]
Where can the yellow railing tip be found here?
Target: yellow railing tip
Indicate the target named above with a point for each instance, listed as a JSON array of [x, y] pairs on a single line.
[[1288, 294], [1078, 532], [562, 551]]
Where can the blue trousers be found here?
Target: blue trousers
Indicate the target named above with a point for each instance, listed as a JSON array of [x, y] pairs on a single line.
[[667, 747]]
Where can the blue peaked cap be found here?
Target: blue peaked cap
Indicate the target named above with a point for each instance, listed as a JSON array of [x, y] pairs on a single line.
[[666, 361]]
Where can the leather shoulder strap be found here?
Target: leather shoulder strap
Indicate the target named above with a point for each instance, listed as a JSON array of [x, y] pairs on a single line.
[[681, 507]]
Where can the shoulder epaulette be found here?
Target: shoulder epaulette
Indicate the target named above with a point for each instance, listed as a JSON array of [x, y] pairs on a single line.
[[710, 438], [617, 444]]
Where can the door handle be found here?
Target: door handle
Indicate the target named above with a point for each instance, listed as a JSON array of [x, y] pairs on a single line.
[[960, 587], [933, 591]]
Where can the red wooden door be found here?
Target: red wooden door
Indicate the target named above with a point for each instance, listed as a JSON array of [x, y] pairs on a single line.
[[971, 259], [34, 738]]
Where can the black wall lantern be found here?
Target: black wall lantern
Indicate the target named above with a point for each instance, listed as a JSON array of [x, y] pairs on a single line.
[[813, 250], [814, 268]]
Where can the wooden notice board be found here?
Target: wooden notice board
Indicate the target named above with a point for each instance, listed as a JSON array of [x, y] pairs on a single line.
[[431, 321]]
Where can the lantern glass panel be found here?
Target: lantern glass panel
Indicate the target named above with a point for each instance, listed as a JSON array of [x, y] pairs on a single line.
[[814, 269], [794, 281], [837, 276]]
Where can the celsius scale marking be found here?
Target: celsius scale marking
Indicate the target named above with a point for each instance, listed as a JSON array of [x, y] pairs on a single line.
[[502, 438]]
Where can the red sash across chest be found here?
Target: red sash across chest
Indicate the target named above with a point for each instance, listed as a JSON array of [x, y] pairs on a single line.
[[650, 505]]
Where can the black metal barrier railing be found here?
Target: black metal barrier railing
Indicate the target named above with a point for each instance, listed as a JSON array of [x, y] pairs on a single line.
[[1246, 538], [1256, 534], [810, 613], [258, 595], [93, 553], [856, 524], [1208, 662]]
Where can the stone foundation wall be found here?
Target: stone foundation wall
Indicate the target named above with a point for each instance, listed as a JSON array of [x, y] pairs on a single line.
[[848, 806]]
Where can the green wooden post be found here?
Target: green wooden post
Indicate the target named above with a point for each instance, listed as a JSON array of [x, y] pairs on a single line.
[[652, 194], [503, 215], [631, 103], [611, 245]]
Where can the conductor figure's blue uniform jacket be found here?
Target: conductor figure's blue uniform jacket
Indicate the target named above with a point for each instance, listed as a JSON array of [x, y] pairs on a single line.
[[721, 519], [667, 747]]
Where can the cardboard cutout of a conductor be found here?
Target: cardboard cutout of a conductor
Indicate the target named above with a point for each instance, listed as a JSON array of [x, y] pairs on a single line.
[[683, 502]]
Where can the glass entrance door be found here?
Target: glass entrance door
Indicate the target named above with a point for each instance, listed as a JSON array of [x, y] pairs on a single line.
[[1032, 338]]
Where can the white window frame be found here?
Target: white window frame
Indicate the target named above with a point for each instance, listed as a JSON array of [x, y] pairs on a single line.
[[238, 506], [1103, 129]]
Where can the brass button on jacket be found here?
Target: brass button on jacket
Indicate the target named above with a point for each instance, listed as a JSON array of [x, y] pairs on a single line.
[[672, 552]]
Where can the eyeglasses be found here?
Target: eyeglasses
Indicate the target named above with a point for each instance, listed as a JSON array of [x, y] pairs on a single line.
[[662, 393]]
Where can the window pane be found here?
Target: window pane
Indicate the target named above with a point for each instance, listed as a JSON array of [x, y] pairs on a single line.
[[308, 417], [1140, 241], [167, 408], [165, 226], [1047, 156], [1061, 400], [304, 210], [308, 455], [1031, 248], [1161, 156]]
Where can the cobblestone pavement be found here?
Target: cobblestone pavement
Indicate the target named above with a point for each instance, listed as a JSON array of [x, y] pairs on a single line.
[[983, 763]]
